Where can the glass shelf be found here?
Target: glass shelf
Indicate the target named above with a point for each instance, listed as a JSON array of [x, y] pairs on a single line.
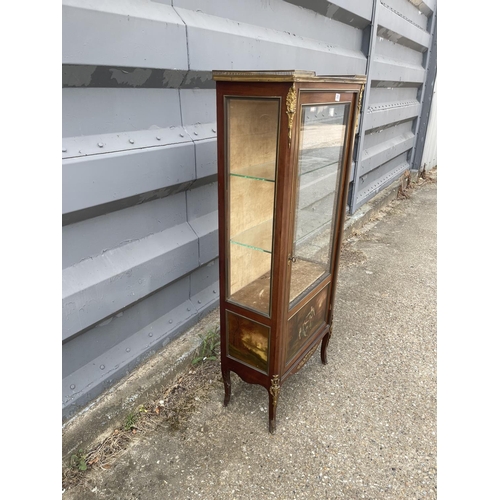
[[261, 172], [259, 237]]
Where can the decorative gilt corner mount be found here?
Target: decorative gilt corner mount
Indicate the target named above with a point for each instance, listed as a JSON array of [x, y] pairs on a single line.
[[275, 389], [291, 106]]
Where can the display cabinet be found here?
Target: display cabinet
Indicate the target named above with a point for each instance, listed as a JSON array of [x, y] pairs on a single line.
[[284, 150]]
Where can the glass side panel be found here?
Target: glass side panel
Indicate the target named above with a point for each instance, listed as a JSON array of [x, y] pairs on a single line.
[[247, 341], [322, 137], [251, 156]]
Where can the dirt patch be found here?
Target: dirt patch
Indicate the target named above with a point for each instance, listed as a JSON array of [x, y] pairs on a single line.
[[350, 256], [171, 408], [407, 185]]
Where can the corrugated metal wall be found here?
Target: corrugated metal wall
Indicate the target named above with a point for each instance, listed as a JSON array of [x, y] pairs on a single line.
[[139, 150], [400, 38]]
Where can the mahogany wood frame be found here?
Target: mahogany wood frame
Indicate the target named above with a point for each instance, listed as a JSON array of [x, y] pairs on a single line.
[[319, 90]]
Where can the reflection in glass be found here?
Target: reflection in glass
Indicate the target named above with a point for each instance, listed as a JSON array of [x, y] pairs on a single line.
[[320, 161], [251, 155]]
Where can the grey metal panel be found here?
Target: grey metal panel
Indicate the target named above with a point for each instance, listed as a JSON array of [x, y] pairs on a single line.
[[92, 76], [220, 43], [203, 218], [136, 33], [93, 237], [96, 288], [408, 11], [206, 158], [384, 95], [376, 180], [383, 152], [82, 349], [397, 29], [389, 70], [198, 113], [205, 280], [384, 115], [378, 136], [103, 178], [201, 201], [93, 362], [198, 106], [95, 111], [357, 14], [277, 15], [85, 384], [426, 8], [403, 54], [129, 141], [206, 228], [362, 8]]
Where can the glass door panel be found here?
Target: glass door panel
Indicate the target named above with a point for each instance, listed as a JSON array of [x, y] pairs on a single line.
[[251, 157], [322, 141]]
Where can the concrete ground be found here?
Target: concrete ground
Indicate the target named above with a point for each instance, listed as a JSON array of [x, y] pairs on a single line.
[[363, 426]]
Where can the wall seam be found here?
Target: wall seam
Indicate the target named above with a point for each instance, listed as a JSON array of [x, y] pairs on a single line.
[[361, 131]]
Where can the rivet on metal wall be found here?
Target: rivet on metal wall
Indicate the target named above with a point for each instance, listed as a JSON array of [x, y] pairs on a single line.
[[213, 130], [189, 309], [170, 321], [158, 138], [131, 141], [150, 334], [128, 349], [100, 144], [195, 133], [214, 291], [64, 150], [102, 367], [72, 386], [199, 302]]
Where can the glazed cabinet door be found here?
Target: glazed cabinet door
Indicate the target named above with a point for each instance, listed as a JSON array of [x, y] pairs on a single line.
[[323, 131]]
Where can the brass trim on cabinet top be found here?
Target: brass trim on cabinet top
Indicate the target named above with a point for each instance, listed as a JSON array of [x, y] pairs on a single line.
[[284, 76]]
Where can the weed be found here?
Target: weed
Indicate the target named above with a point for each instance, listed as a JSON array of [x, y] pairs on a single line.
[[133, 417], [209, 349], [130, 421], [79, 461]]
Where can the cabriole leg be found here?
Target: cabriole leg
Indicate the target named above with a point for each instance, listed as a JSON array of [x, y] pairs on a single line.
[[324, 347]]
